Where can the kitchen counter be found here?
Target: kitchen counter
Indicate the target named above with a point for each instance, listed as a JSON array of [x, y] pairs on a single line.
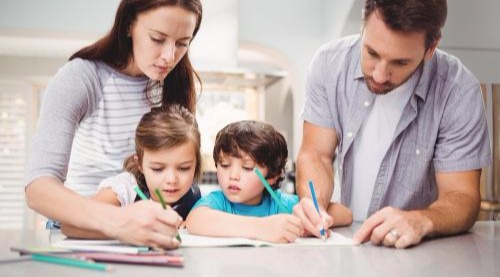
[[476, 253]]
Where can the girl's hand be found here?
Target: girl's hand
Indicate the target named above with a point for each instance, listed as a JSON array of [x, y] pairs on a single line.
[[280, 228]]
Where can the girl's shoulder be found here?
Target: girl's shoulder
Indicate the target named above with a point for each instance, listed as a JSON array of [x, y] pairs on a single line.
[[122, 185]]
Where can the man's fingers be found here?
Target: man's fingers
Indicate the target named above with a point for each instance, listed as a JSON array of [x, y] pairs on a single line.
[[364, 233]]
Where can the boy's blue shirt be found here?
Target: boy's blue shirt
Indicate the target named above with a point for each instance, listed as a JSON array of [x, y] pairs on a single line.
[[217, 201]]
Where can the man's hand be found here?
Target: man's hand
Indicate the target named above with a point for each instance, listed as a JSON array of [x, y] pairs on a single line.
[[393, 227], [147, 223], [311, 220]]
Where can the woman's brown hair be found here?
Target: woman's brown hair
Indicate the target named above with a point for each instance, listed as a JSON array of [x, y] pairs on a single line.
[[115, 49]]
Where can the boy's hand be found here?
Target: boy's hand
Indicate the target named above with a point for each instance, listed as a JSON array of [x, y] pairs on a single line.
[[280, 228], [311, 220]]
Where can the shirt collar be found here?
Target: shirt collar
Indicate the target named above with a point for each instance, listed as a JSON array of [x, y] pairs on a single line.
[[427, 71]]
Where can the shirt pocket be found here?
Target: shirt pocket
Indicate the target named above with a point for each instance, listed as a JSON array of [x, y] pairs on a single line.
[[414, 170]]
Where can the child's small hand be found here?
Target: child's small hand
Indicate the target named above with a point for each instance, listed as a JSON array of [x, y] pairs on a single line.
[[280, 228], [311, 220]]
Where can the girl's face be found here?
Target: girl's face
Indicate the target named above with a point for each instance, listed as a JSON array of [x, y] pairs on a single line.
[[238, 181], [171, 170], [160, 38]]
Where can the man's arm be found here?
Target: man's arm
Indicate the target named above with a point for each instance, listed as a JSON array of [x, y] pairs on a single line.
[[454, 211], [315, 162]]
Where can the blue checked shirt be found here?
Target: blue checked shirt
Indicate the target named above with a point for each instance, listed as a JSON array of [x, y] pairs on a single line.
[[442, 128]]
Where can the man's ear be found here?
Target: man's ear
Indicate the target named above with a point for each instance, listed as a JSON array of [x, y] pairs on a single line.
[[431, 50], [139, 165]]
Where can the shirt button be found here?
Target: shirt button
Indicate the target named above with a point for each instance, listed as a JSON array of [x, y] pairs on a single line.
[[366, 103], [349, 134], [417, 151]]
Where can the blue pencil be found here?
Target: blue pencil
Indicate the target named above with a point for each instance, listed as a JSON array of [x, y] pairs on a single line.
[[313, 194]]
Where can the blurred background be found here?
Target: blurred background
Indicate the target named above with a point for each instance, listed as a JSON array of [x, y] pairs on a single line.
[[252, 56]]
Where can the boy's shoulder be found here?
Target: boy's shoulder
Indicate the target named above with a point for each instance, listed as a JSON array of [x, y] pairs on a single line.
[[289, 200]]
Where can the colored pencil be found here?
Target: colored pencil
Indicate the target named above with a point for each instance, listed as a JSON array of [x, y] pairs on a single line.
[[75, 262], [271, 191], [313, 194], [165, 207], [140, 193]]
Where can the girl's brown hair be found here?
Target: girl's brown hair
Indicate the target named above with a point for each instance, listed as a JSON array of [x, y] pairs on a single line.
[[163, 128], [115, 49]]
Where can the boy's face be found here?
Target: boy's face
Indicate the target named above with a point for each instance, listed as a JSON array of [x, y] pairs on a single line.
[[171, 170], [238, 181]]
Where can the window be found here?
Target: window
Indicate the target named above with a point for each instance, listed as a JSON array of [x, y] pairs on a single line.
[[16, 122]]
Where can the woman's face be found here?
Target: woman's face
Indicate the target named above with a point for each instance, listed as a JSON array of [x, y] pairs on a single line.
[[160, 38]]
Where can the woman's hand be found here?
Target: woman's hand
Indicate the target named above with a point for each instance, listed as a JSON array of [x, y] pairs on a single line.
[[146, 223]]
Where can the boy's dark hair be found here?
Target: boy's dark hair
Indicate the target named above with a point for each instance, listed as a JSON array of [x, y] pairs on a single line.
[[426, 16], [264, 144]]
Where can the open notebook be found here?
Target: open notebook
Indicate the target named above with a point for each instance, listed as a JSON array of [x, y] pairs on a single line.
[[189, 240]]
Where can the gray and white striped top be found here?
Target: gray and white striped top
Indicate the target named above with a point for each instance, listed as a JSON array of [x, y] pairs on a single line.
[[87, 124]]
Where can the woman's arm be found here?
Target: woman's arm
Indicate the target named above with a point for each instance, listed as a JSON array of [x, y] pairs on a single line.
[[142, 223], [279, 228], [106, 196]]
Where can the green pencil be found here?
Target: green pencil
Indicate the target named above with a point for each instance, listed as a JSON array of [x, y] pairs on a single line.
[[71, 262], [271, 192], [140, 193], [165, 206]]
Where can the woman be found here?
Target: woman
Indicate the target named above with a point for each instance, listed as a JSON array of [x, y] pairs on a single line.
[[91, 109]]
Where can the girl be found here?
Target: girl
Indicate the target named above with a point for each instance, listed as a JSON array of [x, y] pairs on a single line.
[[91, 109], [167, 144]]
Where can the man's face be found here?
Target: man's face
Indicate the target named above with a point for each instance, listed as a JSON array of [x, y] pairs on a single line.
[[389, 58]]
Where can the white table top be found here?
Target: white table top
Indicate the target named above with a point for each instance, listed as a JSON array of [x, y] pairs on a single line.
[[476, 253]]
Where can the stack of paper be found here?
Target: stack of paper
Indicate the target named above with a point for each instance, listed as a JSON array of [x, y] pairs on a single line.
[[117, 252]]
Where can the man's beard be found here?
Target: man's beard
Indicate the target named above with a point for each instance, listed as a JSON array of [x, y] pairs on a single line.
[[379, 89], [382, 89]]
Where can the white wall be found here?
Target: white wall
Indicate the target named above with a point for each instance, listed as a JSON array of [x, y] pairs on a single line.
[[472, 33], [293, 28], [296, 28], [67, 16]]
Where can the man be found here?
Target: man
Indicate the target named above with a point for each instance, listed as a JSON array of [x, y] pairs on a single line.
[[405, 124]]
